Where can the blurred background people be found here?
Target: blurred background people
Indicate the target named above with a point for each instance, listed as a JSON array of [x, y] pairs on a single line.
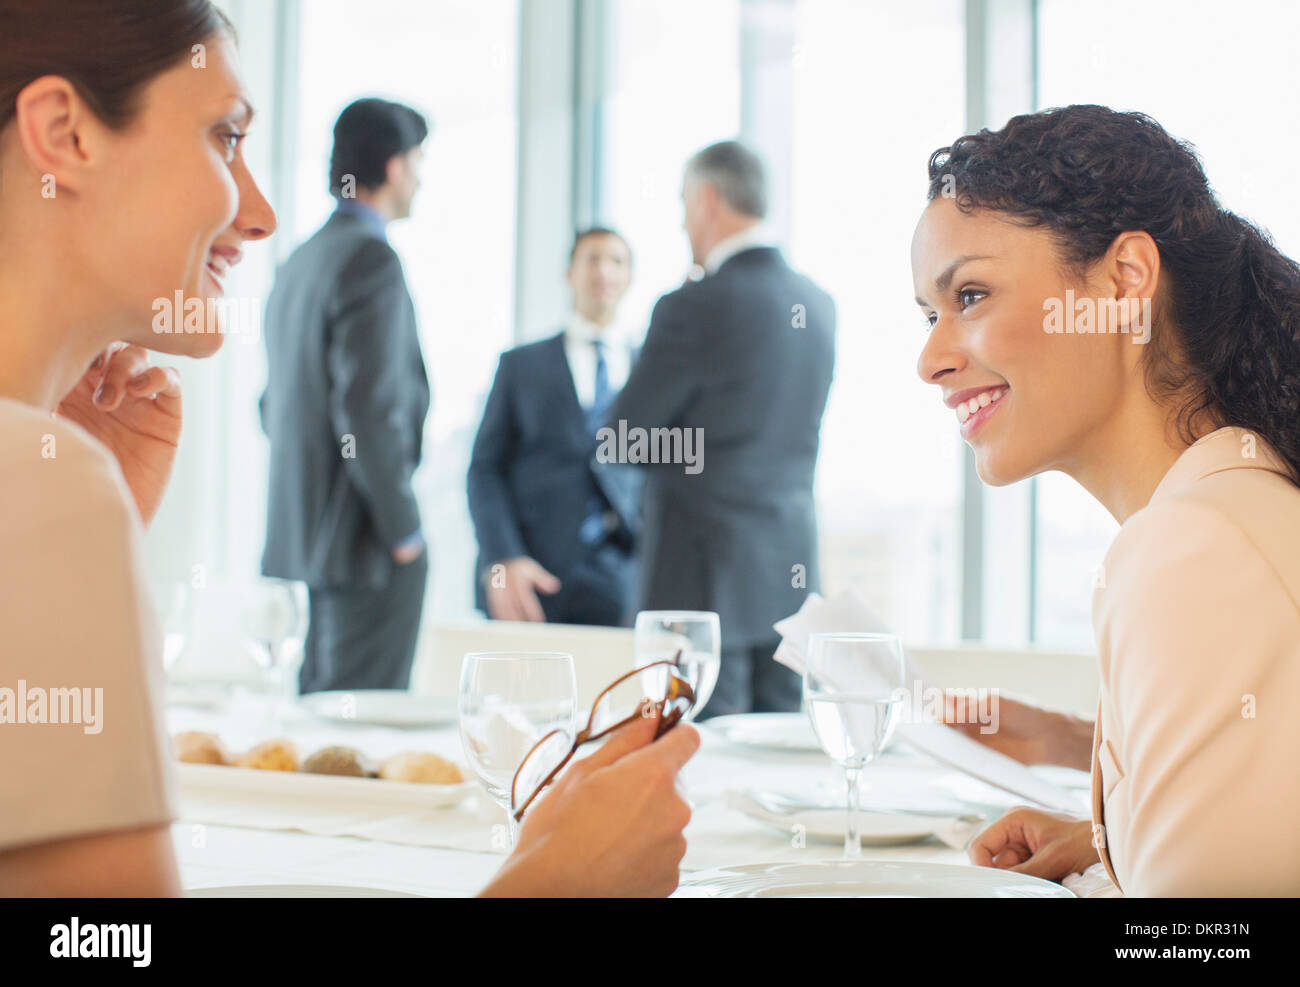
[[556, 527], [344, 408], [746, 356]]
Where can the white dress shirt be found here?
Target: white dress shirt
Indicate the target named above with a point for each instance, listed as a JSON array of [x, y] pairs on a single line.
[[725, 249], [579, 337]]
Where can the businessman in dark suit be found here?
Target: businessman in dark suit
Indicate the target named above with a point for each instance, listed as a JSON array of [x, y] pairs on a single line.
[[344, 408], [744, 355], [556, 525]]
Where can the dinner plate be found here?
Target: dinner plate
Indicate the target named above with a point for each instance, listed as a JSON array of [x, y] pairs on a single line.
[[295, 891], [766, 731], [381, 707], [826, 825], [864, 879], [297, 786]]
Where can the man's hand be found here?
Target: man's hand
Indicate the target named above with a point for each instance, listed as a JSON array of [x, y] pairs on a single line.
[[512, 593], [135, 410], [409, 550], [1050, 845], [1027, 733], [611, 825]]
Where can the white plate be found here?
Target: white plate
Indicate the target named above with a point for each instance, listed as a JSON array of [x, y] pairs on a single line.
[[874, 828], [766, 731], [864, 879], [381, 707], [302, 785], [295, 891], [826, 825]]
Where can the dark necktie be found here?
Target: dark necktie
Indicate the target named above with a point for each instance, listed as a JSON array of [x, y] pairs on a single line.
[[593, 525]]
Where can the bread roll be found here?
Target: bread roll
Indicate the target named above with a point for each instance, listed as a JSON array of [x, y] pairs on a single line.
[[197, 747], [271, 755], [336, 761], [421, 766]]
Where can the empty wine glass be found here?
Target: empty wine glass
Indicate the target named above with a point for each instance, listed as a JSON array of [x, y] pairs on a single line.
[[661, 634], [274, 618], [508, 701], [853, 689]]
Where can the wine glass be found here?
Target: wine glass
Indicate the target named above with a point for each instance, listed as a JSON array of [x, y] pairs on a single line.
[[660, 634], [273, 615], [854, 686], [508, 701]]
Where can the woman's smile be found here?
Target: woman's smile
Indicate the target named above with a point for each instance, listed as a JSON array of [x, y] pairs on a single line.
[[975, 406]]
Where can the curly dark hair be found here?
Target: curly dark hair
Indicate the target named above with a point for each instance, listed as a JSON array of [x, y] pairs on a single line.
[[1229, 350]]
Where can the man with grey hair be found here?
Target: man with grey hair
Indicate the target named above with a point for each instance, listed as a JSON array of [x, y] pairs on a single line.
[[745, 355]]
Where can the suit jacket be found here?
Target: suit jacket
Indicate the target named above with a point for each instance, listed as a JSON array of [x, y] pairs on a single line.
[[344, 408], [1196, 754], [746, 355], [534, 467]]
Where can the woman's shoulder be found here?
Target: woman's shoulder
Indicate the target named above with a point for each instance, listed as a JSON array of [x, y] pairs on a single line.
[[1233, 530], [53, 467]]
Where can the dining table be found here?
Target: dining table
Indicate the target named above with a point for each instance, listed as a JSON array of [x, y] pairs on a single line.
[[228, 842]]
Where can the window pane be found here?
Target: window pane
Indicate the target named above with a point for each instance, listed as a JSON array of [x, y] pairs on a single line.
[[675, 89], [877, 89], [1211, 73]]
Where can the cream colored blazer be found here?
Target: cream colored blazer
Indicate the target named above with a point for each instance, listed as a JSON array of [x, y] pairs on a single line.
[[1196, 754]]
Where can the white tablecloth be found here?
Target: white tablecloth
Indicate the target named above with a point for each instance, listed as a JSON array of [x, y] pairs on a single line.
[[451, 851]]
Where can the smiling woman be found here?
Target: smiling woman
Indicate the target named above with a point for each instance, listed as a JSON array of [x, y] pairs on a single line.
[[122, 184], [1191, 441]]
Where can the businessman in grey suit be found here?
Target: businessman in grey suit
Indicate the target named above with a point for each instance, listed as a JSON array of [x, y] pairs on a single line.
[[746, 356], [344, 408]]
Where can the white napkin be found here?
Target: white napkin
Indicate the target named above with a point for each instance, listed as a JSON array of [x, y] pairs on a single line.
[[1092, 883], [848, 613]]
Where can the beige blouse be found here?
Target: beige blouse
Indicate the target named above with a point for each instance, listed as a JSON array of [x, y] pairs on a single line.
[[1196, 754], [82, 737]]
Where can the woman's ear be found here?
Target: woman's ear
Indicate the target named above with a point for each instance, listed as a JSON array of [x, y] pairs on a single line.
[[50, 120], [1133, 269], [1134, 262]]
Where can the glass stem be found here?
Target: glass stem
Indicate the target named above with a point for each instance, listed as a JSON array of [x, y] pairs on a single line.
[[514, 829], [852, 844]]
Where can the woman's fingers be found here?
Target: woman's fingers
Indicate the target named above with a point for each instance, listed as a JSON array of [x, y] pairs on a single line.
[[120, 366], [155, 382], [1006, 836]]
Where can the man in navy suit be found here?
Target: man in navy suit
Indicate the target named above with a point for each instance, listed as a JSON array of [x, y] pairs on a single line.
[[556, 526]]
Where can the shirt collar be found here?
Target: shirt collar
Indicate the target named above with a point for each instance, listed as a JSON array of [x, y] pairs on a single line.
[[359, 210], [582, 329], [1227, 448], [728, 247]]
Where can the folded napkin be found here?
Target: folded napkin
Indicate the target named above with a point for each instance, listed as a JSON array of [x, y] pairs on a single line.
[[1092, 883]]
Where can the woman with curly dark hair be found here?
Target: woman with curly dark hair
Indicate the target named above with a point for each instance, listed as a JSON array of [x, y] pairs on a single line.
[[1093, 310]]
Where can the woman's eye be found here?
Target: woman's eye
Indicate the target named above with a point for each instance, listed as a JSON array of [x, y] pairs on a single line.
[[230, 141], [930, 319], [968, 296]]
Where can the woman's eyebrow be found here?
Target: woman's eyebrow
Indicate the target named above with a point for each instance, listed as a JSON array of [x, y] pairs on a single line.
[[248, 107], [943, 280]]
